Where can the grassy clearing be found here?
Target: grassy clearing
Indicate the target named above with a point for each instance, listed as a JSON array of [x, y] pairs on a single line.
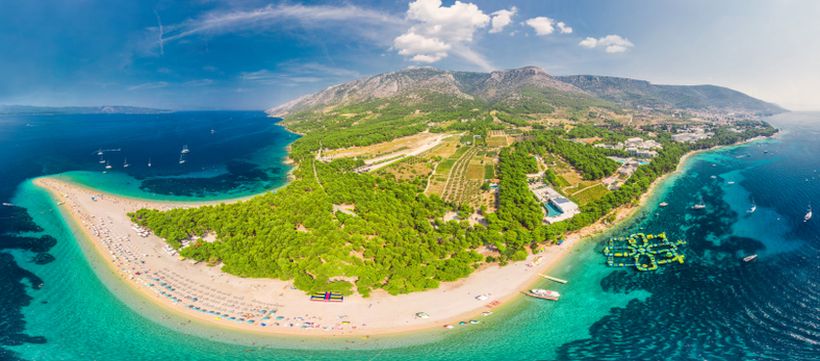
[[489, 171], [403, 144], [409, 168], [475, 171], [589, 194]]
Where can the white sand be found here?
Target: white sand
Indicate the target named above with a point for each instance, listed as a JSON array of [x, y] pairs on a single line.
[[145, 264]]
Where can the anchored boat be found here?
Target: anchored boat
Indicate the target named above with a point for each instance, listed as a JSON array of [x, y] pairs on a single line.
[[543, 294], [750, 258]]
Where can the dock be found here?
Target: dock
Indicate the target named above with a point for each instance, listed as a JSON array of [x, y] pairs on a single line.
[[556, 279]]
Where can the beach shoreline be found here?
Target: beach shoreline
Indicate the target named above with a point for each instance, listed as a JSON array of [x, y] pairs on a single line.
[[358, 320], [75, 204]]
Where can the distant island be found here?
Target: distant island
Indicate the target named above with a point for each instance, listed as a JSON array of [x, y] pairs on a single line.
[[419, 198], [103, 109]]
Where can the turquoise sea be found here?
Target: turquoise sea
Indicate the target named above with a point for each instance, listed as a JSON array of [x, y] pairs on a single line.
[[714, 307]]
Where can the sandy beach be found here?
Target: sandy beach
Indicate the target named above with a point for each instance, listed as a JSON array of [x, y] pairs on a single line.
[[266, 306]]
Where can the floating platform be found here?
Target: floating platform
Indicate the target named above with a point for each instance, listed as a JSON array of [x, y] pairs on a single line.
[[554, 279], [646, 252]]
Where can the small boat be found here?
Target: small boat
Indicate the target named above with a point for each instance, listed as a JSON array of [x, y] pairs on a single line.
[[7, 204], [99, 151], [482, 297], [107, 165], [181, 159], [213, 131], [125, 163], [663, 204], [422, 315], [543, 294], [448, 326], [753, 209], [750, 258], [486, 313], [730, 182], [807, 217], [699, 206], [185, 149], [149, 162], [102, 161], [713, 177], [474, 322]]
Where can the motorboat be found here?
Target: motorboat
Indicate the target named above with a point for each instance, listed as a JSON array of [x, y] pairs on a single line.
[[543, 294]]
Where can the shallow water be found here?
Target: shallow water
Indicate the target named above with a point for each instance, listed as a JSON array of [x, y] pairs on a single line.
[[713, 307]]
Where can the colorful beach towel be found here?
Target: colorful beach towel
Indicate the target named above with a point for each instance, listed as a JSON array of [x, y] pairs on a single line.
[[327, 297]]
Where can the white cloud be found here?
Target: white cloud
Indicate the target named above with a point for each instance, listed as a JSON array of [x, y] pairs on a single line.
[[501, 19], [421, 48], [198, 82], [611, 43], [438, 29], [564, 28], [226, 21], [146, 86], [290, 73], [542, 25]]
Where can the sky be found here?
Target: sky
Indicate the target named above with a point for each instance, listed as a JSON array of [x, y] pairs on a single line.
[[248, 54]]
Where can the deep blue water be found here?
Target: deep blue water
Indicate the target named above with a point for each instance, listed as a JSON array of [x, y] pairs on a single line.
[[714, 307], [231, 154]]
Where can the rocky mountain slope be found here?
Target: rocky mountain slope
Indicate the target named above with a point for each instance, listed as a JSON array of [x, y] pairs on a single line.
[[632, 93], [528, 89], [419, 83]]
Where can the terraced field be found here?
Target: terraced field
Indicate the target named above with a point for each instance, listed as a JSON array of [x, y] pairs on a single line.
[[461, 188]]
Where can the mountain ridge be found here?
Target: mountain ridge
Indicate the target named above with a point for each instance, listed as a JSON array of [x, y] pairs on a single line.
[[513, 86]]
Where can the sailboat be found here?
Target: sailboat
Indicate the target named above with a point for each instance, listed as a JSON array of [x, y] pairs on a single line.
[[107, 165], [102, 161], [125, 163], [181, 159], [807, 217], [100, 152], [753, 209], [185, 149], [149, 162]]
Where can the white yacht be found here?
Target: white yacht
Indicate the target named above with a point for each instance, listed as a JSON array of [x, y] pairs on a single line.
[[807, 217], [185, 149]]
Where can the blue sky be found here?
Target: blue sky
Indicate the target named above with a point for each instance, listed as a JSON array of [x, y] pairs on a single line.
[[254, 54]]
